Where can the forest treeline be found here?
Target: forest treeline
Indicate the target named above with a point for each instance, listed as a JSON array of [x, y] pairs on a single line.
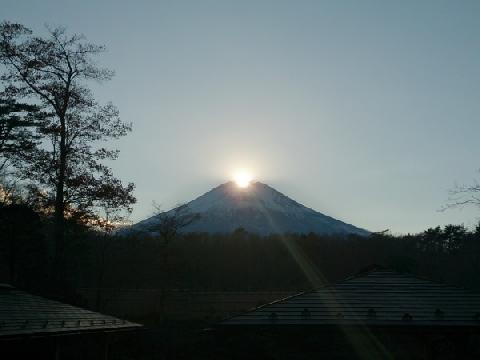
[[237, 261]]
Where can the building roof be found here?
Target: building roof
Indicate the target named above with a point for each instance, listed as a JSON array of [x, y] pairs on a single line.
[[24, 314], [375, 298]]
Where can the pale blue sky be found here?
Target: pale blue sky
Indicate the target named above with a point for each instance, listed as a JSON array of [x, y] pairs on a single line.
[[367, 111]]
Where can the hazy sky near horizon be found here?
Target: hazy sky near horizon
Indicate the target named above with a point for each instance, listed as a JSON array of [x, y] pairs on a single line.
[[368, 111]]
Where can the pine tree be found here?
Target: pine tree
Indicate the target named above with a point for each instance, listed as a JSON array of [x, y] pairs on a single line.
[[18, 124]]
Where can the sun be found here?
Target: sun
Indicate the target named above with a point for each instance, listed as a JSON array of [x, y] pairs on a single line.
[[242, 178]]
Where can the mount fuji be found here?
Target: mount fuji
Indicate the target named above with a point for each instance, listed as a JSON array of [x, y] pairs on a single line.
[[257, 208]]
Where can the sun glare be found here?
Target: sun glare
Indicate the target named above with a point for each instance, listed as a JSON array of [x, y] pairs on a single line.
[[242, 179]]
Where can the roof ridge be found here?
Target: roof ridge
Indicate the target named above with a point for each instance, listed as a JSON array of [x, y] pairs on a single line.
[[268, 304], [380, 268], [35, 314]]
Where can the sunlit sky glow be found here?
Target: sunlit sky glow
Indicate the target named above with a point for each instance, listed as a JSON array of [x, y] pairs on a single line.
[[367, 111], [242, 178]]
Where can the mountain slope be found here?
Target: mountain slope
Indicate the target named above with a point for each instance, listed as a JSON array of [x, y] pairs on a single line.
[[258, 209]]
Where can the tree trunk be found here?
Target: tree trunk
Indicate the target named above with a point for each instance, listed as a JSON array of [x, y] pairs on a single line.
[[12, 257], [101, 274], [59, 231]]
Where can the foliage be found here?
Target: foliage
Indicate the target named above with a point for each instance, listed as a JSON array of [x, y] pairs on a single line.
[[22, 245], [239, 261], [68, 168], [17, 130], [243, 261]]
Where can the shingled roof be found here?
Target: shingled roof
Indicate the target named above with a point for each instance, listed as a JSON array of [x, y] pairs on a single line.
[[24, 314], [378, 297]]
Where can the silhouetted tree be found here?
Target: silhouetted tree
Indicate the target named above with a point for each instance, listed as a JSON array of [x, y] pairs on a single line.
[[53, 72], [432, 240], [248, 262], [17, 130], [464, 195], [454, 237], [21, 243], [168, 226], [105, 241], [169, 223], [9, 191]]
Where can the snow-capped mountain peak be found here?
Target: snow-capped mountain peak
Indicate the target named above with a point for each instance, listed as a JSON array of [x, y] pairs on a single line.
[[257, 208], [230, 196]]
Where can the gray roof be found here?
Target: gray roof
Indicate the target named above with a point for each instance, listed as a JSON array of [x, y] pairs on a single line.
[[375, 298], [24, 314]]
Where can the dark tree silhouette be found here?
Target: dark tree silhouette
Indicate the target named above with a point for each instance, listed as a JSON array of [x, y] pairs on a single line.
[[464, 195], [171, 222], [21, 243], [53, 72], [18, 123]]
